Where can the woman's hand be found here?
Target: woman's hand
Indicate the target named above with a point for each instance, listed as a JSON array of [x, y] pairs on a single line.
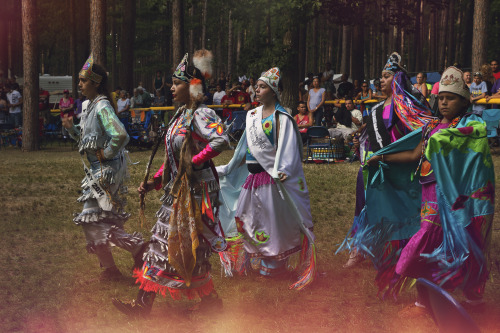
[[374, 160], [67, 122], [282, 176], [145, 188]]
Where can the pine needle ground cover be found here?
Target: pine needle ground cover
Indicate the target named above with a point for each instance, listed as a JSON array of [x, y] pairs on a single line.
[[50, 284]]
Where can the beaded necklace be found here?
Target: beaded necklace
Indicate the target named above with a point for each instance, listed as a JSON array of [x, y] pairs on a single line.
[[427, 134]]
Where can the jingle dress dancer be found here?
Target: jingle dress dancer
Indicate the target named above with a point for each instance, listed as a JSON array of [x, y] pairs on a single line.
[[102, 137], [187, 230], [264, 194]]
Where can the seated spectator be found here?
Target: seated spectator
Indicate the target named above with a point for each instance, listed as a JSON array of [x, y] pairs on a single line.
[[159, 82], [348, 121], [159, 99], [421, 85], [136, 100], [377, 92], [43, 104], [357, 88], [67, 106], [208, 98], [235, 95], [435, 87], [494, 93], [78, 106], [304, 120], [145, 97], [468, 78], [250, 90], [488, 77], [495, 69], [217, 98], [4, 111], [346, 88], [123, 110], [115, 95], [364, 94], [478, 90]]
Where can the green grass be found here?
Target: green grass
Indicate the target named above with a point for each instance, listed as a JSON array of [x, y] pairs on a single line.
[[49, 283]]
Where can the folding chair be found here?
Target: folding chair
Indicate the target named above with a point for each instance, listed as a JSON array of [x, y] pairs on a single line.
[[237, 126], [447, 313], [319, 145]]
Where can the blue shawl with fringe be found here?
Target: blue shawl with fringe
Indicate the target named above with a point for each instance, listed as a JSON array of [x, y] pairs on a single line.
[[462, 163]]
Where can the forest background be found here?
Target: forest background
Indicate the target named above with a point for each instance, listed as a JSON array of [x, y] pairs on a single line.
[[133, 39]]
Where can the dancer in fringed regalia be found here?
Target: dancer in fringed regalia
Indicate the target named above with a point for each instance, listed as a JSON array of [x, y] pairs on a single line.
[[102, 137], [455, 172], [187, 230], [264, 195]]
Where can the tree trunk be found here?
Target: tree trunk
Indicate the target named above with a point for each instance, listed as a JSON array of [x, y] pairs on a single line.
[[358, 54], [291, 78], [177, 31], [479, 34], [127, 45], [204, 25], [450, 38], [31, 80], [338, 61], [418, 36], [268, 24], [114, 71], [4, 50], [346, 48], [238, 45], [302, 50], [72, 49], [98, 31], [314, 53], [230, 44], [191, 31]]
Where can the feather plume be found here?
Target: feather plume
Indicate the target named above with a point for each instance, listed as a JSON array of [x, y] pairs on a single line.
[[202, 59], [196, 89]]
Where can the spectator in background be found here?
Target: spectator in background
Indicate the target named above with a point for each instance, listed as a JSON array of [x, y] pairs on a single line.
[[78, 106], [435, 87], [377, 92], [494, 93], [357, 88], [421, 85], [159, 100], [4, 110], [115, 95], [468, 78], [145, 97], [304, 87], [429, 86], [364, 94], [67, 106], [43, 104], [123, 110], [488, 77], [168, 92], [478, 90], [217, 97], [346, 88], [495, 69], [208, 98], [327, 81], [348, 121], [135, 99], [251, 88], [14, 102], [235, 95], [159, 82], [315, 101], [304, 120], [222, 79]]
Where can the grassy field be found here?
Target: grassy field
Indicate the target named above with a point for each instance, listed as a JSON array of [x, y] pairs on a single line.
[[49, 283]]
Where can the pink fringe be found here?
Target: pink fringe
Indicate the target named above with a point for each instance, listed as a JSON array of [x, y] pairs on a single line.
[[257, 180]]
